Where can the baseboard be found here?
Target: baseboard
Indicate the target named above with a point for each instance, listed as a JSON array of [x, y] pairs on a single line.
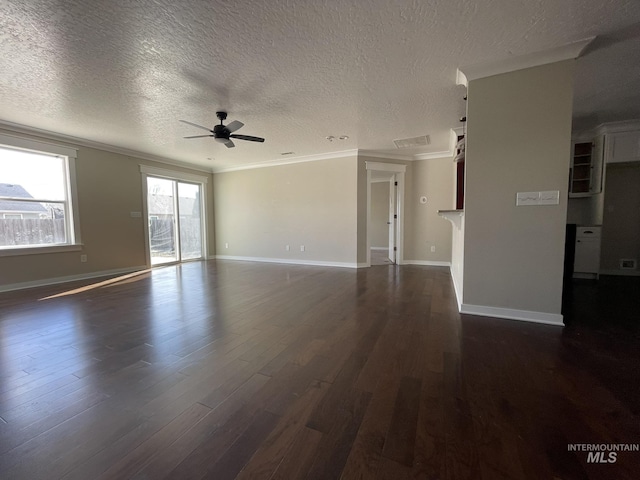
[[69, 278], [289, 261], [512, 314], [586, 276], [621, 273], [458, 293], [428, 263]]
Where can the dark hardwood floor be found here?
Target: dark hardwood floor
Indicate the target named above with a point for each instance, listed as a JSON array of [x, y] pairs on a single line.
[[262, 371]]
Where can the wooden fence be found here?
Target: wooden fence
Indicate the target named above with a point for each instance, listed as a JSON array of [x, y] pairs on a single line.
[[162, 235], [32, 231]]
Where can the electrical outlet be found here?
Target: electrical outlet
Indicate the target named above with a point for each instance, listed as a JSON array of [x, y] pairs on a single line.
[[226, 245], [287, 248], [628, 263], [83, 258], [302, 248], [433, 248]]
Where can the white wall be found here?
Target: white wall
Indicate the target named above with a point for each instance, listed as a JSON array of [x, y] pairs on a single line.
[[518, 140], [314, 204], [435, 180]]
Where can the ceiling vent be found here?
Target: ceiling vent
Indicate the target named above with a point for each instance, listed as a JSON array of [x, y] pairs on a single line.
[[413, 142]]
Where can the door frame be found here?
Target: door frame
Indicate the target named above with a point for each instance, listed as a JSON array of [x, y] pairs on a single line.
[[398, 171], [392, 219], [201, 180]]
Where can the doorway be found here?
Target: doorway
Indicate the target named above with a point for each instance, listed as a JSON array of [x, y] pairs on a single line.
[[383, 218], [385, 193], [175, 219]]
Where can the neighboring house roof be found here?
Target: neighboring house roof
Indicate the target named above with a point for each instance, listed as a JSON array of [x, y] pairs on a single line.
[[17, 191]]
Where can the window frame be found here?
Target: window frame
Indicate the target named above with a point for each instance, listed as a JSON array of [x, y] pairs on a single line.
[[72, 224]]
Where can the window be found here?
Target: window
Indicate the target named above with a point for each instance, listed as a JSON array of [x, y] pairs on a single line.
[[36, 207]]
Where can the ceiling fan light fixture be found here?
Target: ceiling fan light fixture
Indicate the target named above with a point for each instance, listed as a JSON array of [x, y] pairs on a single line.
[[224, 133]]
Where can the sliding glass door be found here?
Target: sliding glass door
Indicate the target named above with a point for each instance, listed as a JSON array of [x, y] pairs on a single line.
[[189, 221], [174, 211]]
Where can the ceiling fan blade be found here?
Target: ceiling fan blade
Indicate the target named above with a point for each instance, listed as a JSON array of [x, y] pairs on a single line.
[[196, 125], [247, 137], [198, 136], [235, 125], [229, 144]]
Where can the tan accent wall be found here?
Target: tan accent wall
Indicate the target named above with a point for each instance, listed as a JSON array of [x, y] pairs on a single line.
[[379, 214], [260, 211], [109, 187], [518, 140]]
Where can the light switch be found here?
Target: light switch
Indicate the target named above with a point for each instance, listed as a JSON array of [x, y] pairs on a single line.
[[551, 197], [136, 214], [527, 198]]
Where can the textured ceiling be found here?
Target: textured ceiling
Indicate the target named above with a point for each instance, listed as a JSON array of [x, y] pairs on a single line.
[[124, 72]]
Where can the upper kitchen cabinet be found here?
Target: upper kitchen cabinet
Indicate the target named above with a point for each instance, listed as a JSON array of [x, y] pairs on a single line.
[[586, 168], [623, 146]]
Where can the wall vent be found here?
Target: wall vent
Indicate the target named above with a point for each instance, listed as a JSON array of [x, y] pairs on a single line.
[[413, 142], [628, 263]]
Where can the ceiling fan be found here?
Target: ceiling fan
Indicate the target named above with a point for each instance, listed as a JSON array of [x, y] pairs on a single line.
[[224, 133]]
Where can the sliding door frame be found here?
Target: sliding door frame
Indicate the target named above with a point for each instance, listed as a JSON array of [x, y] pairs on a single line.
[[200, 180]]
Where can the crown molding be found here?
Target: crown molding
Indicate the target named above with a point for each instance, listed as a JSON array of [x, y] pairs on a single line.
[[433, 155], [71, 142], [289, 161], [83, 142], [616, 127], [453, 140], [457, 132], [387, 156], [461, 78], [481, 70], [605, 128]]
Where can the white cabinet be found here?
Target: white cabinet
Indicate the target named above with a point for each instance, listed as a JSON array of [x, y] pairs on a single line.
[[623, 146], [586, 168], [587, 259]]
